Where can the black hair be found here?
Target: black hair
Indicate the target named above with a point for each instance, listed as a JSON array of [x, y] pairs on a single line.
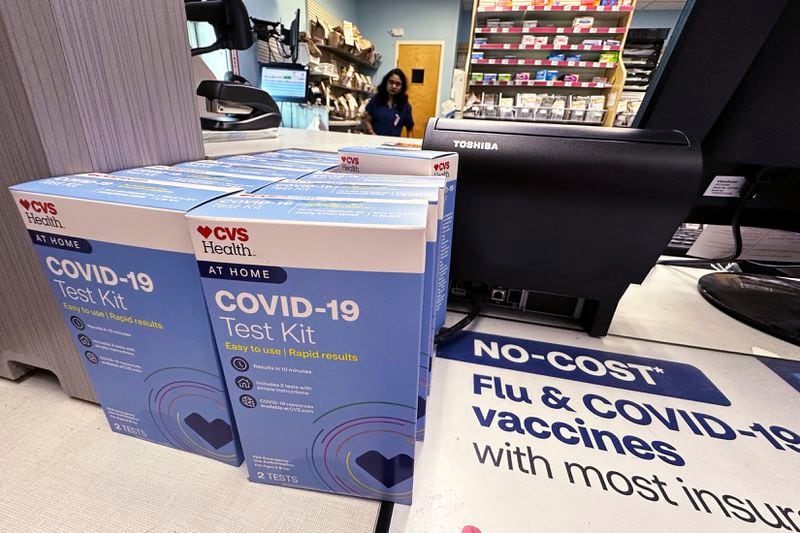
[[400, 99]]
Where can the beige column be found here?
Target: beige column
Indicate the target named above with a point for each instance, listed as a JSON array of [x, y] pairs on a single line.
[[85, 85]]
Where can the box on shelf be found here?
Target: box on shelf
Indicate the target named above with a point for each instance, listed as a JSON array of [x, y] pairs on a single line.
[[119, 260], [560, 40], [609, 57], [582, 22], [322, 373]]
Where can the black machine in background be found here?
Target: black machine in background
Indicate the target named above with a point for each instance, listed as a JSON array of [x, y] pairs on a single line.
[[730, 79], [229, 19], [235, 103], [286, 41], [536, 205], [641, 56], [237, 106]]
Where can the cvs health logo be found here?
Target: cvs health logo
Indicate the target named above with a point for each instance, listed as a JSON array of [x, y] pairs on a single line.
[[224, 233], [45, 208], [441, 166], [350, 163]]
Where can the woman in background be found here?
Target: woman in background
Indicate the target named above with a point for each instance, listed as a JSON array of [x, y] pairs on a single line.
[[389, 111]]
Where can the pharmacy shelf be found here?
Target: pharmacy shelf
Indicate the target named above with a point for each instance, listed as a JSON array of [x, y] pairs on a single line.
[[501, 30], [576, 47], [344, 123], [559, 9], [347, 56], [542, 83], [352, 90], [545, 63], [551, 30], [515, 119]]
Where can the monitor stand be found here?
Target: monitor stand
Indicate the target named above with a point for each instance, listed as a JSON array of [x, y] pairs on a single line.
[[768, 303]]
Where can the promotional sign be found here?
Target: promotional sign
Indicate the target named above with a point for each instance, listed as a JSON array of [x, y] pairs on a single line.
[[531, 436]]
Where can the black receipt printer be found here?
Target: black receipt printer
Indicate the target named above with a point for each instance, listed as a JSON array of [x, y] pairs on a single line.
[[576, 211]]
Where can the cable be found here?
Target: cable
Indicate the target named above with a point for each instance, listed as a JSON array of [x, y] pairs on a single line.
[[444, 334], [748, 193]]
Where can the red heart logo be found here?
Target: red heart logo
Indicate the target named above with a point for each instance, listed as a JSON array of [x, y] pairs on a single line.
[[25, 203], [344, 159], [205, 231]]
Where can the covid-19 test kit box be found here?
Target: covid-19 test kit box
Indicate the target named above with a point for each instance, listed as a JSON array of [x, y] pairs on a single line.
[[301, 190], [246, 183], [443, 236], [296, 153], [383, 185], [273, 160], [317, 311], [221, 168], [404, 161], [119, 260]]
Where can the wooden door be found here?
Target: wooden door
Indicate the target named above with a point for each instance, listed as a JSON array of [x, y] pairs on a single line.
[[421, 65]]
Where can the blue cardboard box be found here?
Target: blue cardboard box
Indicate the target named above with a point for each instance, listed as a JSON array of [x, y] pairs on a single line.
[[245, 183], [317, 309], [221, 168], [119, 260], [302, 190], [404, 161]]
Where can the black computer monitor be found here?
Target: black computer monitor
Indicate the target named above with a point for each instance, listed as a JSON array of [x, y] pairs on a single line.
[[730, 78], [294, 35]]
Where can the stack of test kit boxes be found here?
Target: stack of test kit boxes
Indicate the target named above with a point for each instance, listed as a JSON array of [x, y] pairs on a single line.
[[120, 262], [324, 288], [333, 287], [373, 162]]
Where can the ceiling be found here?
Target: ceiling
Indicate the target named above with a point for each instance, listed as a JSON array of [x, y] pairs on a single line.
[[661, 5]]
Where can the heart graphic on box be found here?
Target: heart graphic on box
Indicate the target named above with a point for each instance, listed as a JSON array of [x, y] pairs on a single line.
[[217, 433], [389, 472], [205, 231], [25, 203]]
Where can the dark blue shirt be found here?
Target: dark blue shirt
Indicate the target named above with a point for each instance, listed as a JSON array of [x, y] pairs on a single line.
[[388, 120]]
